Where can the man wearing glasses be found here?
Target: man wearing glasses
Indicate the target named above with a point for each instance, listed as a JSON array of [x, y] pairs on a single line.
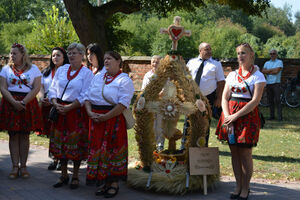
[[272, 69]]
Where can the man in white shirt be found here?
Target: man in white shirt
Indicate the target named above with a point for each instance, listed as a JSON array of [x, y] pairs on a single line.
[[209, 75], [159, 138]]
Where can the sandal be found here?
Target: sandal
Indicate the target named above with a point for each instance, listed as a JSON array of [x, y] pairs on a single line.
[[24, 173], [244, 198], [14, 174], [101, 190], [58, 166], [234, 196], [52, 165], [115, 190], [74, 183], [62, 181]]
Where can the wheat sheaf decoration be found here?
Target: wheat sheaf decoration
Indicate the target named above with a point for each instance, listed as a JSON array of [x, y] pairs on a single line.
[[171, 93]]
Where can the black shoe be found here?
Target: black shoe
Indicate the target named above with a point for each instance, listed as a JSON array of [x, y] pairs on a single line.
[[58, 168], [101, 190], [234, 196], [62, 181], [74, 183], [111, 195], [52, 166], [244, 198]]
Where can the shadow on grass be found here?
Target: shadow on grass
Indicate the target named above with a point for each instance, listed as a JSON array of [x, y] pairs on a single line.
[[268, 158]]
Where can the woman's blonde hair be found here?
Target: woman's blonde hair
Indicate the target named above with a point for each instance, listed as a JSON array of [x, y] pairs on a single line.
[[248, 46], [26, 60]]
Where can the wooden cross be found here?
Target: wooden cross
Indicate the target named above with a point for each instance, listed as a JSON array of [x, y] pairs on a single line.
[[175, 32]]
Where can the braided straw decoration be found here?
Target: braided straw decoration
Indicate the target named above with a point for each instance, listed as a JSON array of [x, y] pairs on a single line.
[[187, 90]]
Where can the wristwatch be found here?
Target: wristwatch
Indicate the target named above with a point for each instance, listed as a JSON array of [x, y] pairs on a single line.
[[23, 103]]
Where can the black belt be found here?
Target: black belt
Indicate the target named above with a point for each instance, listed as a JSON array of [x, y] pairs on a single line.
[[61, 101], [239, 99], [98, 107], [18, 93]]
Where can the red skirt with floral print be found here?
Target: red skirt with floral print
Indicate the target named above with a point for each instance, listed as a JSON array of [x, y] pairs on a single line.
[[246, 128], [69, 136], [108, 149], [29, 119]]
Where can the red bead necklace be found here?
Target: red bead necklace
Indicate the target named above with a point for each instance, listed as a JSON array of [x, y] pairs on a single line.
[[16, 71], [75, 74], [52, 72], [247, 75], [108, 79]]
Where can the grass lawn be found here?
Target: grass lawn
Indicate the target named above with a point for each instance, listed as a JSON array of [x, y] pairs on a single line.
[[277, 156]]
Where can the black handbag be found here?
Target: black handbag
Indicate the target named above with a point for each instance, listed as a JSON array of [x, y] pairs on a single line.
[[53, 114], [261, 116], [262, 120]]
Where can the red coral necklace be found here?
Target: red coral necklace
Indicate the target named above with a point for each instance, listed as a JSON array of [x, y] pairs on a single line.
[[108, 79], [52, 72], [75, 74], [247, 75], [16, 71]]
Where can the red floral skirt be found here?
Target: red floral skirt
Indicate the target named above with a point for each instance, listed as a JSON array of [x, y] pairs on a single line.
[[29, 119], [69, 136], [246, 128], [46, 123], [108, 149]]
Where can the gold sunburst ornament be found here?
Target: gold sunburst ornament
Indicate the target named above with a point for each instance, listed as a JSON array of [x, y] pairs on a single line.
[[170, 108]]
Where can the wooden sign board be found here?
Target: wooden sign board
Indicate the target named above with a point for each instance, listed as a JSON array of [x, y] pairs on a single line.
[[204, 160]]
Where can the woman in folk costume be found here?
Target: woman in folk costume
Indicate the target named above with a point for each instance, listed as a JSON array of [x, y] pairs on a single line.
[[70, 132], [240, 123], [20, 82], [58, 58], [94, 57], [108, 95]]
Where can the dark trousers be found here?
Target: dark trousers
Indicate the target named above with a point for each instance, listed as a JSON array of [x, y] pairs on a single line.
[[216, 114], [273, 93]]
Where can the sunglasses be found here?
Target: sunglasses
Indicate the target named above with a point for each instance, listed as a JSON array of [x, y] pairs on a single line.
[[272, 53], [245, 45]]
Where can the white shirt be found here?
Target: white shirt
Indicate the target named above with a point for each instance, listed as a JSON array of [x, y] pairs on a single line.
[[120, 90], [147, 79], [14, 84], [46, 82], [76, 88], [239, 89], [212, 73]]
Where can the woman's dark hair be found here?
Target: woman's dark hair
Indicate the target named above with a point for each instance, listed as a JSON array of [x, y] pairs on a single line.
[[95, 48], [48, 70], [116, 56]]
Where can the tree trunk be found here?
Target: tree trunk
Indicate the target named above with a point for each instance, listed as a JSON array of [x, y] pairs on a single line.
[[87, 22]]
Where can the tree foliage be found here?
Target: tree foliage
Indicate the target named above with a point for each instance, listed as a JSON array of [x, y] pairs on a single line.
[[88, 14], [297, 22], [223, 23], [219, 25], [20, 10], [52, 31], [14, 32]]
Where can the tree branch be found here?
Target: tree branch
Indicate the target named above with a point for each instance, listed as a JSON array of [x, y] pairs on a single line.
[[115, 6]]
